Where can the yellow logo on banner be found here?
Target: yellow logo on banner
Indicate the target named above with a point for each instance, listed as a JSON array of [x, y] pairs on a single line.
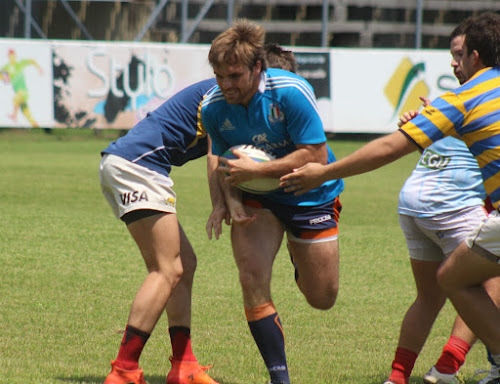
[[405, 86]]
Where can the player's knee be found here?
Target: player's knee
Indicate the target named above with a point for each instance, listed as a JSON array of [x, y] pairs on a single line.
[[170, 273], [445, 281], [189, 265], [323, 300]]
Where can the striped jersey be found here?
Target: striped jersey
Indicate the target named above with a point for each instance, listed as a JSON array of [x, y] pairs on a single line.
[[446, 179], [472, 112], [282, 114], [170, 135]]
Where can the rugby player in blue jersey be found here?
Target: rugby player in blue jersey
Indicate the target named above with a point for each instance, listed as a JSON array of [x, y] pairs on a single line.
[[472, 113], [135, 178], [276, 111]]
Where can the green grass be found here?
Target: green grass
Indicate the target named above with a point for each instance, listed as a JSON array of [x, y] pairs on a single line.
[[69, 271]]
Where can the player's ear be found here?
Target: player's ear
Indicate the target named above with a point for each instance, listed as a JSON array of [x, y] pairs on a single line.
[[257, 69]]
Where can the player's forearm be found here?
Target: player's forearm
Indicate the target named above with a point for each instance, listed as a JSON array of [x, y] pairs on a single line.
[[304, 154], [214, 186], [371, 156]]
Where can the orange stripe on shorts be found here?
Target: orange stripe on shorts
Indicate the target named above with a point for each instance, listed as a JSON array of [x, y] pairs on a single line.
[[311, 235]]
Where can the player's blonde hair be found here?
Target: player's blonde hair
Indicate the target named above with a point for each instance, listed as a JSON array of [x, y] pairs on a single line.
[[242, 43]]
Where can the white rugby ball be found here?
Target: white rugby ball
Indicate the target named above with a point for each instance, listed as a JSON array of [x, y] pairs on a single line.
[[258, 186]]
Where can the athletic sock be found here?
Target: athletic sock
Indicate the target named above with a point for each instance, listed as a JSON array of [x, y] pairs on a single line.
[[453, 355], [267, 332], [402, 366], [131, 348], [180, 337]]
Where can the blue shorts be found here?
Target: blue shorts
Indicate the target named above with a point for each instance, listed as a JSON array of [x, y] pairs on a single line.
[[307, 223]]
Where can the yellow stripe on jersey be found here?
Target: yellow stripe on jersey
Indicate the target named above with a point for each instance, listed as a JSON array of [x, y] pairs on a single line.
[[200, 129], [420, 138]]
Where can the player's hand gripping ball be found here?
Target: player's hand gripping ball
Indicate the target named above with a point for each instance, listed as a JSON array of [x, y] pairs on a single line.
[[258, 186]]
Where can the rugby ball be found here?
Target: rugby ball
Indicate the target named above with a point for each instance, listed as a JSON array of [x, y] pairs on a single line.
[[257, 186]]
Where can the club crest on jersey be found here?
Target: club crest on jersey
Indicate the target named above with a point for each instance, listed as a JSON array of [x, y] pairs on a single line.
[[275, 114]]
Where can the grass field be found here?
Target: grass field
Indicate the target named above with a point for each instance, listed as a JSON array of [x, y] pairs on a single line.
[[69, 271]]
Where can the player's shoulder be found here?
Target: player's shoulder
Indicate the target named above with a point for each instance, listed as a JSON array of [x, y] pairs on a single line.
[[213, 97], [201, 87], [280, 80]]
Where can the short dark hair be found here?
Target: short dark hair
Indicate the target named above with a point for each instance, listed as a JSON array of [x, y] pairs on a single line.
[[482, 34], [458, 31]]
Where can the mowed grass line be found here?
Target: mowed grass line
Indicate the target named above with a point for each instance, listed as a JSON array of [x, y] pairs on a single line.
[[69, 271]]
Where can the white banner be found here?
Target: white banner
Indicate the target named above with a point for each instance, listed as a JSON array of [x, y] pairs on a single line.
[[372, 88], [103, 85]]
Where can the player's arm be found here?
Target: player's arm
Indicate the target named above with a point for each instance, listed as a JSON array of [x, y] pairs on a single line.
[[219, 212], [371, 156], [234, 203]]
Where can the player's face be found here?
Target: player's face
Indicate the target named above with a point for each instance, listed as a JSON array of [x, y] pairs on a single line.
[[456, 49], [237, 82], [469, 62]]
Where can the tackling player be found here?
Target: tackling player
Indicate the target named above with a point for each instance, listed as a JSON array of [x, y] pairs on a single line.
[[135, 178]]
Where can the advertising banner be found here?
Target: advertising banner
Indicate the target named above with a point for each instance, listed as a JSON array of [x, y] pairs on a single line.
[[314, 66], [372, 88], [25, 84], [113, 86]]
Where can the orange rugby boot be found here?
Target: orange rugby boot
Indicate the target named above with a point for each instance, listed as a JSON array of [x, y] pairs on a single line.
[[188, 372], [122, 376]]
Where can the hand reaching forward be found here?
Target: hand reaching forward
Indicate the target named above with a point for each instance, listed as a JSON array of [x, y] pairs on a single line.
[[304, 179]]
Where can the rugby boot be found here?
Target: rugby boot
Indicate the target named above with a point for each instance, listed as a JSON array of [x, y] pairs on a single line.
[[122, 376]]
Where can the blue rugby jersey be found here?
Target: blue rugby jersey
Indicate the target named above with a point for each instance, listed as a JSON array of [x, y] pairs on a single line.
[[472, 112], [170, 135], [281, 115], [446, 179]]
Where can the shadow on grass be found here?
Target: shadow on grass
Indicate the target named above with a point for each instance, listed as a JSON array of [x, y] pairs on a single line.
[[100, 380]]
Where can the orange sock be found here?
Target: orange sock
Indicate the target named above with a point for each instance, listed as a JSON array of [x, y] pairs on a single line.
[[453, 355], [402, 366]]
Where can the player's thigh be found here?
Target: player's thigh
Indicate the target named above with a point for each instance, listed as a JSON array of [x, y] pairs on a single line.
[[425, 276], [317, 262], [420, 245], [255, 245], [158, 239], [466, 268], [188, 255]]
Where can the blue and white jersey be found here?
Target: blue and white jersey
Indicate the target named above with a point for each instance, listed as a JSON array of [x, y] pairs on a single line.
[[280, 116], [447, 178], [170, 135]]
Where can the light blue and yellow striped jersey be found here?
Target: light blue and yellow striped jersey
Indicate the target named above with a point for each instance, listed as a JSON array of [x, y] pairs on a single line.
[[472, 113]]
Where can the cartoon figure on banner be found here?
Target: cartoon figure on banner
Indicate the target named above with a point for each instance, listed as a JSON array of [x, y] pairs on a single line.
[[13, 73]]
